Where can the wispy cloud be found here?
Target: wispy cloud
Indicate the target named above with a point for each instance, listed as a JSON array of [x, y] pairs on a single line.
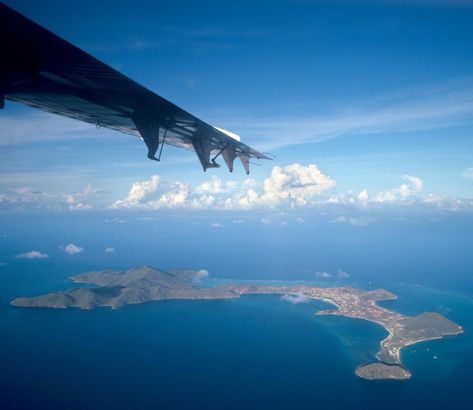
[[356, 221], [36, 126], [435, 106], [338, 275], [468, 174], [432, 107], [26, 198], [137, 44], [32, 255], [285, 33], [295, 298], [201, 38], [403, 3], [131, 43]]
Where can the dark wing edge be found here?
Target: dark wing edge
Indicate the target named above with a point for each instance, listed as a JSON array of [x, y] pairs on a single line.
[[39, 69]]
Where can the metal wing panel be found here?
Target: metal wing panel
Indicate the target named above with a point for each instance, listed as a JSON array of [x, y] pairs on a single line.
[[42, 70]]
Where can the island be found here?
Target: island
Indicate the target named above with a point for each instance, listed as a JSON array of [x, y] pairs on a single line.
[[382, 371], [115, 289]]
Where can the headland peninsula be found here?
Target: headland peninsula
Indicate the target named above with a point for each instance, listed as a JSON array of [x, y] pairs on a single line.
[[115, 289]]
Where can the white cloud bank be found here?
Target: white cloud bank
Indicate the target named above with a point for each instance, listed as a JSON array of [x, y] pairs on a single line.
[[32, 255], [72, 249], [292, 186], [409, 193], [26, 197], [406, 192]]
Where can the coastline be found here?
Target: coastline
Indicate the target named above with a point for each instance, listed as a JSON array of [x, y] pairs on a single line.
[[140, 285]]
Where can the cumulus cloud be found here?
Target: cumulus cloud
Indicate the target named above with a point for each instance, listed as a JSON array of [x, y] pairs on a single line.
[[177, 197], [76, 201], [238, 221], [412, 186], [72, 249], [407, 192], [215, 186], [32, 255], [295, 298], [294, 186], [138, 191], [291, 186], [216, 225], [447, 203], [109, 250]]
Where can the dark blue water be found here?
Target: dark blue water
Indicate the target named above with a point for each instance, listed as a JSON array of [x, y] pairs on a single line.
[[256, 352]]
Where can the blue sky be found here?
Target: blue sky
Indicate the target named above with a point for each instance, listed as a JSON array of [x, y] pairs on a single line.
[[373, 100]]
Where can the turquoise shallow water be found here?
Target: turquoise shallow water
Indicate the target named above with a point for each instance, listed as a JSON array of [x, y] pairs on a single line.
[[256, 352]]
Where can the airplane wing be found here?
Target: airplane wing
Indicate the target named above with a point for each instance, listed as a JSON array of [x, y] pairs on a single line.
[[40, 69]]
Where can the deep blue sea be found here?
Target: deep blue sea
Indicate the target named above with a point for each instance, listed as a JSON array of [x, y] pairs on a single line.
[[257, 352]]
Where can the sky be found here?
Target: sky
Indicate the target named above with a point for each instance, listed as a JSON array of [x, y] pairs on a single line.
[[365, 105], [366, 108]]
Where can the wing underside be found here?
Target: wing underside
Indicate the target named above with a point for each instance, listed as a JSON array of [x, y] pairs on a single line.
[[41, 70]]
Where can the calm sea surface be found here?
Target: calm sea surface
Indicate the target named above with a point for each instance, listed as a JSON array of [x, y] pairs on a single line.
[[256, 352]]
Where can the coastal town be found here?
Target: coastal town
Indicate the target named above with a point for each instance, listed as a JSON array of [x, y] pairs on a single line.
[[115, 289]]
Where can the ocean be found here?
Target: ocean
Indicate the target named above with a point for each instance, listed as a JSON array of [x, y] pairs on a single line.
[[257, 352]]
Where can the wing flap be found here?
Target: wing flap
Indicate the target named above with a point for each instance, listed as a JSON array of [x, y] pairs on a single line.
[[41, 70]]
